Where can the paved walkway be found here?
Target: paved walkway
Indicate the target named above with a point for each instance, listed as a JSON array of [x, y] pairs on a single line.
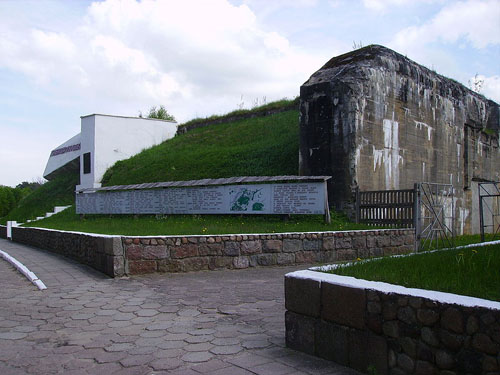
[[214, 322]]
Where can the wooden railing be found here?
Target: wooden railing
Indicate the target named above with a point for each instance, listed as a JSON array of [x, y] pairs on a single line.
[[393, 208]]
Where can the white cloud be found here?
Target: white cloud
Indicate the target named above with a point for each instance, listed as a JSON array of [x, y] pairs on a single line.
[[379, 5], [489, 86], [180, 54], [475, 21]]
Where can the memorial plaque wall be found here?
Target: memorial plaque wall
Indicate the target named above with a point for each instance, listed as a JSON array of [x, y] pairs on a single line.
[[289, 198]]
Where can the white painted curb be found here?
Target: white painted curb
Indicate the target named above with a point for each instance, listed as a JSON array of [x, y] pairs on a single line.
[[24, 270]]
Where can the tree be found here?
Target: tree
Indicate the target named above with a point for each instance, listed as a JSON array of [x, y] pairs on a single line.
[[160, 113]]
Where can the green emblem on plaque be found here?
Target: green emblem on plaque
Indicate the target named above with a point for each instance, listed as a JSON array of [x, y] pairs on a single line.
[[244, 198]]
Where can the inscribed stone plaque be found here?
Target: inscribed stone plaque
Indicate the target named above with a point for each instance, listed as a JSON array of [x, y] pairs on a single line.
[[290, 198]]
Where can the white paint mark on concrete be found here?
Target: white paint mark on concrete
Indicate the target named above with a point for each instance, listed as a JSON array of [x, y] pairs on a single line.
[[420, 125], [352, 282], [315, 274], [463, 214], [24, 270]]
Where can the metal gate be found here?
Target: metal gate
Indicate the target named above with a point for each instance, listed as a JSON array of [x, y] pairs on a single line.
[[428, 207], [489, 210], [435, 216]]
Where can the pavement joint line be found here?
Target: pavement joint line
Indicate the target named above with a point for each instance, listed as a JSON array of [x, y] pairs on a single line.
[[24, 270]]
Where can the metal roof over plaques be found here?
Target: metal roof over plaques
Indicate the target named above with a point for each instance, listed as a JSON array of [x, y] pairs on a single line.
[[209, 182]]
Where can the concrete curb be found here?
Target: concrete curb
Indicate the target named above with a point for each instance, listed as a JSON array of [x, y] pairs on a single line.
[[24, 270]]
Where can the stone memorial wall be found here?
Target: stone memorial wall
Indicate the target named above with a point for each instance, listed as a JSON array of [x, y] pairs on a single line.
[[289, 198]]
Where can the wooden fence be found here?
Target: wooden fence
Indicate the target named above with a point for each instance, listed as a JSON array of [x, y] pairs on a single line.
[[394, 208]]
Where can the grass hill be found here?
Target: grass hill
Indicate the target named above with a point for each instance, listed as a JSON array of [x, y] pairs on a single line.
[[261, 146], [256, 146], [58, 192]]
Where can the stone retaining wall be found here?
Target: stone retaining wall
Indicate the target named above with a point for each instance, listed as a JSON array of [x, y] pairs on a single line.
[[179, 254], [3, 231], [118, 256], [393, 333], [104, 253]]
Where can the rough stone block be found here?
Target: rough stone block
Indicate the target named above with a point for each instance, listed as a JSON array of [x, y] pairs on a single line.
[[266, 259], [285, 258], [452, 319], [213, 249], [391, 328], [311, 245], [220, 262], [366, 350], [136, 267], [444, 360], [397, 240], [328, 256], [300, 332], [407, 315], [371, 242], [375, 252], [118, 265], [292, 246], [169, 265], [194, 264], [184, 251], [303, 296], [484, 344], [251, 247], [305, 257], [346, 254], [331, 342], [328, 244], [343, 305], [359, 242], [113, 246], [343, 243], [406, 363], [240, 262], [155, 252], [383, 241], [273, 246], [232, 248], [425, 368], [134, 252]]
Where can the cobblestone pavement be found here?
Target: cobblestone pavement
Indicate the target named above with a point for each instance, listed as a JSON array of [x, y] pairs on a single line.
[[214, 322]]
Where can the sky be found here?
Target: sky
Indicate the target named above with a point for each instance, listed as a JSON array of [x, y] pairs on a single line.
[[62, 59]]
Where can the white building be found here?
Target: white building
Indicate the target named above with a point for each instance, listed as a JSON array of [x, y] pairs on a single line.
[[102, 142]]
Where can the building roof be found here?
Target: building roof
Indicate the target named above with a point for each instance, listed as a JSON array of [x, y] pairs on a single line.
[[210, 182]]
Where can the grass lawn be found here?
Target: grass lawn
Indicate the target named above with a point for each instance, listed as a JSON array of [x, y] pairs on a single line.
[[471, 272], [58, 192], [193, 224], [262, 146]]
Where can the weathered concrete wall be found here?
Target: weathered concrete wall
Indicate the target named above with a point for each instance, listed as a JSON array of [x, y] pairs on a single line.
[[376, 120], [392, 332]]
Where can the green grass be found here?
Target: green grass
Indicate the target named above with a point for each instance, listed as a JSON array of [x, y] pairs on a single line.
[[257, 110], [58, 192], [471, 272], [254, 147], [193, 224]]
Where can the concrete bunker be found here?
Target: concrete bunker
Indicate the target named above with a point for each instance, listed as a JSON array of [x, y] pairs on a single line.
[[375, 120]]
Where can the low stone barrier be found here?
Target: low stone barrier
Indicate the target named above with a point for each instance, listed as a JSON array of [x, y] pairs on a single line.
[[384, 329], [193, 253], [3, 231], [118, 256], [104, 253]]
